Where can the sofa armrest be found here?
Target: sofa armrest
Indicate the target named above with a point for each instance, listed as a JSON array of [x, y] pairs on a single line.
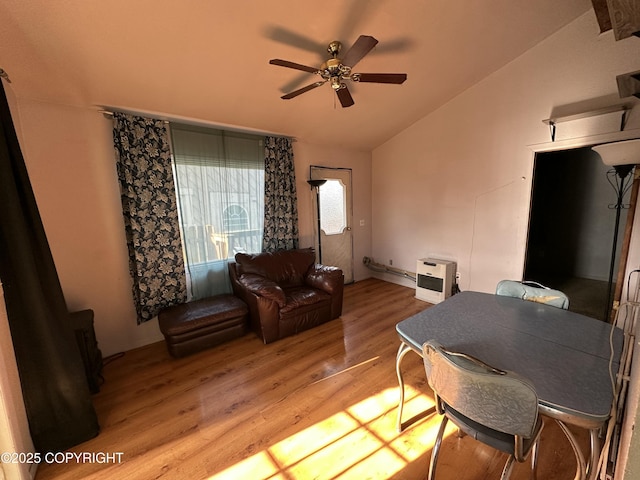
[[263, 287], [325, 278], [330, 280]]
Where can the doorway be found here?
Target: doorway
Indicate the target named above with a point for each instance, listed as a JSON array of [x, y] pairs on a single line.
[[571, 228], [335, 239]]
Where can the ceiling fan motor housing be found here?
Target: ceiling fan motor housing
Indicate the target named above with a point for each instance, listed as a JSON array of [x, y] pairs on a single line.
[[334, 48]]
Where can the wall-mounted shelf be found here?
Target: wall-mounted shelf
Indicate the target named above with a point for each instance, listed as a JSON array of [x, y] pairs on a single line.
[[622, 109]]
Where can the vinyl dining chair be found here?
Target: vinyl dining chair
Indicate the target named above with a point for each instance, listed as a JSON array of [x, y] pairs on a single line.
[[534, 292], [498, 408]]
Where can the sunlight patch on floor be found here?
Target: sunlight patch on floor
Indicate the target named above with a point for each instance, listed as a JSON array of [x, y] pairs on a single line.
[[358, 442]]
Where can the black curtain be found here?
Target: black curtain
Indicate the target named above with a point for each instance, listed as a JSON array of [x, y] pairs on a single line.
[[54, 386]]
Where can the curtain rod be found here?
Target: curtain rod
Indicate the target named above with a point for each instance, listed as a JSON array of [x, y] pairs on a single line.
[[190, 121], [108, 113]]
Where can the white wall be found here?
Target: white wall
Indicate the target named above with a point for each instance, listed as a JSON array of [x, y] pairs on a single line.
[[457, 183]]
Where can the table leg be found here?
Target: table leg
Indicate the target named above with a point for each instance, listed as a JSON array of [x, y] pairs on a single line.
[[402, 351]]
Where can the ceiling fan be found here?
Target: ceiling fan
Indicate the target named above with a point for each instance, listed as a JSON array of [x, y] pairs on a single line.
[[337, 70]]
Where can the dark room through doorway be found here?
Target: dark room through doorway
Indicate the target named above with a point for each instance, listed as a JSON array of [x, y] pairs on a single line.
[[571, 228]]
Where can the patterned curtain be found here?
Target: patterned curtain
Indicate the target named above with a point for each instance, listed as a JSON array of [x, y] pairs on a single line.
[[150, 212], [280, 207]]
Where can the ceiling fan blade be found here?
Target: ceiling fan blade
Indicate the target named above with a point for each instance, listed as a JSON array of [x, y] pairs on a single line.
[[396, 78], [289, 37], [297, 66], [297, 81], [401, 44], [354, 16], [358, 50], [346, 100], [302, 90]]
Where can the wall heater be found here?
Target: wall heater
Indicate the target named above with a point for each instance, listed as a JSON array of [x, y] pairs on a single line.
[[435, 279]]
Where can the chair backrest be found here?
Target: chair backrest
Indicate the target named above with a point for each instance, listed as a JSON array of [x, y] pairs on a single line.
[[533, 292], [497, 399], [288, 268]]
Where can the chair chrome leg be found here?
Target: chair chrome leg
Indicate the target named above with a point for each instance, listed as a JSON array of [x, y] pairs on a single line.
[[594, 456], [581, 465], [508, 467], [402, 351], [534, 460], [436, 448]]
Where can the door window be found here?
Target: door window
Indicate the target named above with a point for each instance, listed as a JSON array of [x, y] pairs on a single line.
[[333, 207]]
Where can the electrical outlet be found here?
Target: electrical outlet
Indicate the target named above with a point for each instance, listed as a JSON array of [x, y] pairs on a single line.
[[457, 277], [390, 262]]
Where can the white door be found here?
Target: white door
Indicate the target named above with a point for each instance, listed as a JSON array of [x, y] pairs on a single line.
[[336, 239]]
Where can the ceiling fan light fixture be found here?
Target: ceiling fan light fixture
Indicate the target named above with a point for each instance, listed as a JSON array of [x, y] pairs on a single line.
[[333, 66]]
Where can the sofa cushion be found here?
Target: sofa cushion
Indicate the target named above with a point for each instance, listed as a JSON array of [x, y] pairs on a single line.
[[298, 297], [191, 316], [194, 326], [285, 267], [263, 287]]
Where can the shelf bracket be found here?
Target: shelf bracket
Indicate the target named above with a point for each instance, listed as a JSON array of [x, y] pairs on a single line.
[[623, 119], [552, 130]]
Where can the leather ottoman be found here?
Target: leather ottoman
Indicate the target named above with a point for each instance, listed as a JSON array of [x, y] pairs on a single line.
[[194, 326]]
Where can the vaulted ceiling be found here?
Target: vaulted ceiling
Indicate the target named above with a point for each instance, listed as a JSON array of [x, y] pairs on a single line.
[[208, 60]]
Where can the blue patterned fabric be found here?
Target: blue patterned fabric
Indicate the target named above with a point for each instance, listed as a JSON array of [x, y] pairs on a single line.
[[501, 400], [156, 262], [280, 199], [534, 292]]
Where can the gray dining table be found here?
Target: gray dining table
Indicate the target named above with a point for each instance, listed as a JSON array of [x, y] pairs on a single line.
[[571, 359]]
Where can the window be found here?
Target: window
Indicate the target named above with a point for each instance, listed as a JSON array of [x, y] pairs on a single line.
[[235, 218], [219, 178], [333, 208]]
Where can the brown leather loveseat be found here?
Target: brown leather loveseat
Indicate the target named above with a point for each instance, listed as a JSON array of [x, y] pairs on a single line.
[[286, 291]]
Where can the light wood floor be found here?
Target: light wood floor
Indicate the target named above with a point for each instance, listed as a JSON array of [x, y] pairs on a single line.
[[319, 405]]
